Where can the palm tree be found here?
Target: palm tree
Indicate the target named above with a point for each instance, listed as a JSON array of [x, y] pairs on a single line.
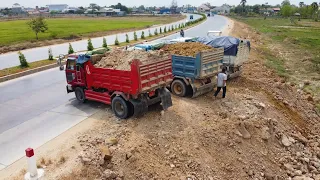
[[315, 8], [243, 3], [301, 4]]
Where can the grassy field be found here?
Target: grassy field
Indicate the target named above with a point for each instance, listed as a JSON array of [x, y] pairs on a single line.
[[12, 32], [304, 34], [298, 59]]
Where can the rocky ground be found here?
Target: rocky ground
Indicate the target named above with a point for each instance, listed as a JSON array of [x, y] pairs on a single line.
[[266, 128]]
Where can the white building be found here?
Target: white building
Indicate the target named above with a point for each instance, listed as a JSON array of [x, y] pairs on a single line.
[[57, 7], [203, 8]]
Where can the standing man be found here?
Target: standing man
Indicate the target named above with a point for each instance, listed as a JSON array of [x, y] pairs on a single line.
[[182, 33], [222, 83]]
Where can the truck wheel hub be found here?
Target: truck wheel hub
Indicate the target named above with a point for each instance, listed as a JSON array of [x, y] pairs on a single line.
[[177, 89], [119, 108]]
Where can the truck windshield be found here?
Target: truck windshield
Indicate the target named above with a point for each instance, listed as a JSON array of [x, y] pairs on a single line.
[[71, 64]]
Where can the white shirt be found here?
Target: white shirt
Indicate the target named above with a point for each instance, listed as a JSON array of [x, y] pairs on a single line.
[[221, 78]]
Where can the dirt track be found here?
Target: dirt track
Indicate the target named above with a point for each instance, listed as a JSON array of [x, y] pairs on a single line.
[[264, 129]]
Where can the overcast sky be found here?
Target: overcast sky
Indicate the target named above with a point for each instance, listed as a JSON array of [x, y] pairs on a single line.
[[76, 3]]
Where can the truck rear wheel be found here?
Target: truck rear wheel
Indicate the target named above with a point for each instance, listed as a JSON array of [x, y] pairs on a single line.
[[120, 107], [179, 88], [80, 94]]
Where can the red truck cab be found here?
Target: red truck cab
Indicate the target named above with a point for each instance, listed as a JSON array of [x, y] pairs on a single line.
[[129, 92]]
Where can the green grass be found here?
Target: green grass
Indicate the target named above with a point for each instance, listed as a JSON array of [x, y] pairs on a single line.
[[17, 31], [305, 34], [32, 65], [275, 63]]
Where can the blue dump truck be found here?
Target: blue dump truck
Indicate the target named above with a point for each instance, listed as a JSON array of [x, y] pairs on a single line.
[[196, 75]]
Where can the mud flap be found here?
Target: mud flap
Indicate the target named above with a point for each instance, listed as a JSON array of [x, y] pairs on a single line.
[[197, 91], [140, 107], [165, 96]]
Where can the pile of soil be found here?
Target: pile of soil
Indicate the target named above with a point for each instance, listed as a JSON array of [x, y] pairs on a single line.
[[120, 59], [186, 48]]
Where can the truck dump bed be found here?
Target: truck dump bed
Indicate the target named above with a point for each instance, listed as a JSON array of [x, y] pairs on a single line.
[[142, 78], [205, 64]]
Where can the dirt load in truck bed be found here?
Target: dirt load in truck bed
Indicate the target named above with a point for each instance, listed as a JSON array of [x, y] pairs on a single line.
[[120, 59], [186, 48]]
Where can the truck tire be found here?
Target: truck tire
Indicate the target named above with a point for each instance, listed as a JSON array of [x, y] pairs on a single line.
[[179, 88], [80, 94], [120, 107]]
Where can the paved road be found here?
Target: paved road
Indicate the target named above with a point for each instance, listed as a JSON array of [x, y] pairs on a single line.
[[36, 108], [36, 54]]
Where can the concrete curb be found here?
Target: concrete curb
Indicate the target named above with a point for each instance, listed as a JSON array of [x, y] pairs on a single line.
[[28, 72], [50, 66]]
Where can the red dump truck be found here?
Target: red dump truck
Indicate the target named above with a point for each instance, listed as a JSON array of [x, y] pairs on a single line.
[[129, 92]]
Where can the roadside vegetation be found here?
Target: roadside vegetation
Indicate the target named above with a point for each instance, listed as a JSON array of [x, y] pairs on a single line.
[[290, 43], [31, 65], [22, 34]]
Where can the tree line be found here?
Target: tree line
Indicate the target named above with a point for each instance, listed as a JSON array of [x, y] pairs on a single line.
[[310, 11]]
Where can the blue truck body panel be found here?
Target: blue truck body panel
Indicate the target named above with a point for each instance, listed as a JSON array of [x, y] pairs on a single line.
[[204, 65]]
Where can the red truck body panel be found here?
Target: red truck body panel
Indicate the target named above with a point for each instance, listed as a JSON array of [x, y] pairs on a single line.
[[142, 78]]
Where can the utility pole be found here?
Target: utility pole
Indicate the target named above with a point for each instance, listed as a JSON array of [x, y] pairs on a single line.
[[174, 6]]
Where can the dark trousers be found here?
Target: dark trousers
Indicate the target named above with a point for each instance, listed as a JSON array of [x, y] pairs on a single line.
[[219, 89]]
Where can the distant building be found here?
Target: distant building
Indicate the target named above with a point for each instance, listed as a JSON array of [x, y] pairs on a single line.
[[90, 11], [224, 9], [276, 10], [17, 9], [57, 7], [165, 11], [203, 8], [270, 11], [70, 10], [110, 12]]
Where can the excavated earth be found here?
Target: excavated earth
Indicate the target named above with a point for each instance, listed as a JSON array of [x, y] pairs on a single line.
[[121, 59], [186, 48], [266, 129]]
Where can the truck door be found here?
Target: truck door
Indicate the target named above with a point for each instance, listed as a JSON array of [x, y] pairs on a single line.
[[70, 70]]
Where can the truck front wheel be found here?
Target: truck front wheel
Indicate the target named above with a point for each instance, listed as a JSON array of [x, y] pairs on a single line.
[[120, 107], [179, 88], [80, 94]]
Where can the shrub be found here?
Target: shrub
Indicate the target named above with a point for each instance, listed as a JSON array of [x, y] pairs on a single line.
[[104, 43], [179, 26], [90, 46], [156, 32], [135, 36], [127, 38], [23, 60], [160, 30], [165, 29], [50, 54], [150, 35], [116, 42], [70, 50], [142, 35]]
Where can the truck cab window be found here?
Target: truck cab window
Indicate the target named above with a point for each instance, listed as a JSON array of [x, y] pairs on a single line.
[[71, 64], [78, 68]]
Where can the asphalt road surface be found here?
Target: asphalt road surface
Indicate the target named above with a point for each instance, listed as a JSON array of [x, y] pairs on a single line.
[[12, 59], [35, 109]]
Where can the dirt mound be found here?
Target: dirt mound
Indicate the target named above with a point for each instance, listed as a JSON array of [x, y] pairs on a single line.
[[120, 59], [186, 48]]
